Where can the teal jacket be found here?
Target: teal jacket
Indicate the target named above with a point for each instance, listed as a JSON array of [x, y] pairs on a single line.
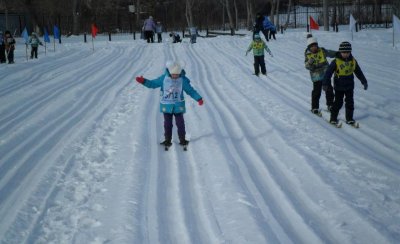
[[172, 99]]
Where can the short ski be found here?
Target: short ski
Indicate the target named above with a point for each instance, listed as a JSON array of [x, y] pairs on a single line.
[[337, 125], [166, 145], [319, 113], [354, 125], [184, 146]]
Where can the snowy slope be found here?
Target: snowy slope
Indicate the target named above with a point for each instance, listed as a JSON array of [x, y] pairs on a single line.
[[80, 160]]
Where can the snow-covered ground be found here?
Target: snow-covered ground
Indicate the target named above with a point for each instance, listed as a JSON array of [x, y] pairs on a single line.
[[80, 160]]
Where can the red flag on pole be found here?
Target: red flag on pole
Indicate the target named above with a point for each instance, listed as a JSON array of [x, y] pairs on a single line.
[[94, 30], [313, 24]]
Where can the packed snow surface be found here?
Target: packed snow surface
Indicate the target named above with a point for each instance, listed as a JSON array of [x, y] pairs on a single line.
[[80, 160]]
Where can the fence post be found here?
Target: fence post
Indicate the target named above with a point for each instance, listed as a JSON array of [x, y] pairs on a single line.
[[84, 37], [134, 35], [109, 36]]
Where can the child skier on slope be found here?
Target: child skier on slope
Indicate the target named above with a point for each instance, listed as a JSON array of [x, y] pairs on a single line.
[[258, 46], [172, 84], [317, 64], [35, 42], [344, 65]]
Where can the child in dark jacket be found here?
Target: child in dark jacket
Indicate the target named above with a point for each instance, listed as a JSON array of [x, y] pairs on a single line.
[[172, 84], [344, 65], [316, 62], [9, 43]]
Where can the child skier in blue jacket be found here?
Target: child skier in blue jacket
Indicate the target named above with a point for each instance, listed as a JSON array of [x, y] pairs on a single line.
[[172, 84]]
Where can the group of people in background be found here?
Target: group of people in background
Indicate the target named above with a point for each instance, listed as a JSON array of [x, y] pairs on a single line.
[[7, 47], [264, 25], [150, 28]]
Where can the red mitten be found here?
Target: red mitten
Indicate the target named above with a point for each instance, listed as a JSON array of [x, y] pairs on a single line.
[[140, 79], [200, 101]]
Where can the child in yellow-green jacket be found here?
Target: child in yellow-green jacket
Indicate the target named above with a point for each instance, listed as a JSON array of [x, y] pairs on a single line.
[[258, 46]]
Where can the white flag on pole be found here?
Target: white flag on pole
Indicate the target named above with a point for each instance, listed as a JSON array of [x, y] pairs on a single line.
[[396, 23], [352, 23]]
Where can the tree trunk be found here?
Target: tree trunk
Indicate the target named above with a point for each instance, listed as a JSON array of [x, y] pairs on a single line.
[[288, 14], [75, 16], [326, 16], [231, 25], [236, 15]]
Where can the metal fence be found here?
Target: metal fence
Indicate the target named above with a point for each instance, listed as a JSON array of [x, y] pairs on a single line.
[[366, 15]]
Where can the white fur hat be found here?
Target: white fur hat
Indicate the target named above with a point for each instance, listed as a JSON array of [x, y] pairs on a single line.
[[311, 40], [175, 67]]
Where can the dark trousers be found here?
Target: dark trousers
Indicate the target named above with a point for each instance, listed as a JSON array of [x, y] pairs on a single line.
[[338, 103], [2, 54], [149, 36], [10, 56], [265, 32], [272, 35], [34, 52], [316, 94], [259, 62], [180, 124], [159, 37]]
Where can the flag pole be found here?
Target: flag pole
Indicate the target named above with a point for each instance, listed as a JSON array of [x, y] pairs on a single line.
[[92, 43]]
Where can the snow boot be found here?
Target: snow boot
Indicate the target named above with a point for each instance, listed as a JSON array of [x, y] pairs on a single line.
[[183, 141]]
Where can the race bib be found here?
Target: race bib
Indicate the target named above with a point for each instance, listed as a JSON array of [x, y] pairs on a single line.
[[172, 91]]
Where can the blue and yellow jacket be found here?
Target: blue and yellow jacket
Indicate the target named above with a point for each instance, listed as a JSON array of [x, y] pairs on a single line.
[[344, 70], [172, 99]]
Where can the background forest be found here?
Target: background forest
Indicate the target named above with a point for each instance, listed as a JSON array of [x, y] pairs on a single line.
[[76, 16]]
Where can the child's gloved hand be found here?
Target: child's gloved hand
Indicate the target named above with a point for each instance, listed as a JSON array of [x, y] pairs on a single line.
[[140, 79], [311, 61], [200, 101], [365, 86]]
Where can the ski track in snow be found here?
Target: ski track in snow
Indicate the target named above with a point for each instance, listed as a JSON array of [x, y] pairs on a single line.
[[80, 160]]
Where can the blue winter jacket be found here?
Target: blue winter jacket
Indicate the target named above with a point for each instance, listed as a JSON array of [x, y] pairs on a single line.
[[171, 101], [267, 24]]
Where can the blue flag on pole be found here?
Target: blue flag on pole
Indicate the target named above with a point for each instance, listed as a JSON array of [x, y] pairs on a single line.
[[56, 32], [25, 35], [46, 35]]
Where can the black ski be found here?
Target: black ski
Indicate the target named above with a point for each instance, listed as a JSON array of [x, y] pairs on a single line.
[[354, 125], [166, 145], [319, 113], [184, 146]]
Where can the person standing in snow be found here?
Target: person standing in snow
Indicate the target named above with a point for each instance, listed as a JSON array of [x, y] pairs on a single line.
[[193, 34], [344, 66], [2, 48], [258, 46], [316, 62], [148, 27], [9, 43], [35, 42], [159, 30], [172, 84]]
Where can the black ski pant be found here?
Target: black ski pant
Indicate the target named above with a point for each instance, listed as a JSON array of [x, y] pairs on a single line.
[[338, 103], [2, 54], [180, 124], [259, 62], [159, 37], [149, 36], [316, 94], [34, 51], [10, 56]]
